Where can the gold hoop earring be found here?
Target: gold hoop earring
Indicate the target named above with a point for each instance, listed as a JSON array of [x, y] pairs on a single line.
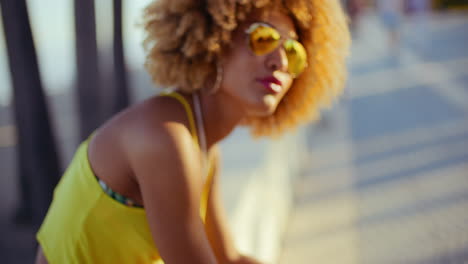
[[219, 79]]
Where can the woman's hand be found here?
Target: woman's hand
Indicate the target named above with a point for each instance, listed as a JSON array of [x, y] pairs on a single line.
[[246, 260]]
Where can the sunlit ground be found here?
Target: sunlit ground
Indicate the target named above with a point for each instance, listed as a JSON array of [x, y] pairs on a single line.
[[388, 180]]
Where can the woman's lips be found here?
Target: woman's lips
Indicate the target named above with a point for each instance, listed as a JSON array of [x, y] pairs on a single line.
[[272, 84]]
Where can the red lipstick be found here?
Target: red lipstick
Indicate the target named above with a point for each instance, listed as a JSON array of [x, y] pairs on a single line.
[[272, 84]]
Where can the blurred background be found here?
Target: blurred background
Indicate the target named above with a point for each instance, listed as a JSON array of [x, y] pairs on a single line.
[[387, 177], [383, 177]]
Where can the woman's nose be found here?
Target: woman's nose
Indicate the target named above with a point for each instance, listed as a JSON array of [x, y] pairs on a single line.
[[277, 60]]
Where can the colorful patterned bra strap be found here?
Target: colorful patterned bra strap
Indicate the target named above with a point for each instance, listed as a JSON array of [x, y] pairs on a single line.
[[117, 196]]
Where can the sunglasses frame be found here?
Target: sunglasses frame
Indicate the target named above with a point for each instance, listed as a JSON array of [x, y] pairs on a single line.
[[256, 25]]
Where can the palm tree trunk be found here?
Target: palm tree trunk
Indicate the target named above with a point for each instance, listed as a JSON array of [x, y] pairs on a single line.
[[38, 163], [120, 73], [89, 93]]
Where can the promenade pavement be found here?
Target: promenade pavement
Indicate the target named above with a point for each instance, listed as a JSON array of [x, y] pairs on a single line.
[[386, 176]]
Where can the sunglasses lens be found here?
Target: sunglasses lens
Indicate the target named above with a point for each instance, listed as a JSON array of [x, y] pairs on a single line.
[[297, 56], [264, 40]]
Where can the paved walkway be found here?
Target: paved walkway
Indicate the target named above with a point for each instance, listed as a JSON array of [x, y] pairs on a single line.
[[388, 180]]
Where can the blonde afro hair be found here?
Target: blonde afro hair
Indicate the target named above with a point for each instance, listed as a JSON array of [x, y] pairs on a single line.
[[185, 38]]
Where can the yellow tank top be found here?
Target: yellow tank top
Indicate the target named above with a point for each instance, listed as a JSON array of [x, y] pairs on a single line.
[[85, 225]]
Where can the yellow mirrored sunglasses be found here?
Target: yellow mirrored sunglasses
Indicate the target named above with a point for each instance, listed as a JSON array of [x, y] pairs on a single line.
[[264, 39]]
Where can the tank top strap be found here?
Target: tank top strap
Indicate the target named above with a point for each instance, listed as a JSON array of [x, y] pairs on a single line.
[[195, 135], [188, 110]]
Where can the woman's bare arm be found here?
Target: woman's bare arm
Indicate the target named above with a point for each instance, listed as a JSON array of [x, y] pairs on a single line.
[[217, 227], [168, 169]]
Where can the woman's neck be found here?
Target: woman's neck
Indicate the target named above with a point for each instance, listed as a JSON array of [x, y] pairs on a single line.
[[221, 115]]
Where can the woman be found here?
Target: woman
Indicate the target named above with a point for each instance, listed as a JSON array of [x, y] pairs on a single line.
[[145, 186]]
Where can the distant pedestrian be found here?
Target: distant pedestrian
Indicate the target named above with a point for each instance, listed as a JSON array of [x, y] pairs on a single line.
[[420, 6], [145, 187], [391, 15], [354, 9]]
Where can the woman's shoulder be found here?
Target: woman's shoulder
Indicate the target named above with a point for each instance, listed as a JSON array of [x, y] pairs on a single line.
[[156, 125], [156, 109], [157, 135], [157, 120]]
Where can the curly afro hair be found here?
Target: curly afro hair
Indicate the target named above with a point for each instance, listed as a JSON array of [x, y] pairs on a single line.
[[185, 39]]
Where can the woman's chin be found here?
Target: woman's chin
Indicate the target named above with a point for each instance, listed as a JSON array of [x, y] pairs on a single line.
[[264, 107]]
